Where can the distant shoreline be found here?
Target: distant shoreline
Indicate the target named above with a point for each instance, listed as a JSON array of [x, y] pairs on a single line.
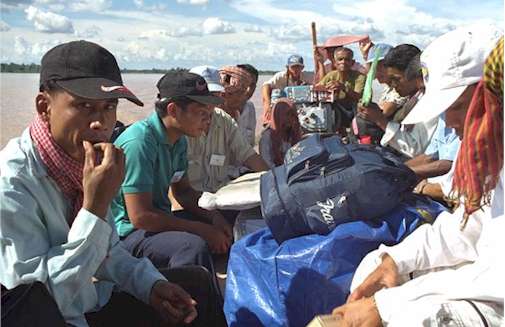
[[35, 69]]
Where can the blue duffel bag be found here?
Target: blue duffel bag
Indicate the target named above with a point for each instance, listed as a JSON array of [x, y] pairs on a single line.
[[288, 284], [324, 183]]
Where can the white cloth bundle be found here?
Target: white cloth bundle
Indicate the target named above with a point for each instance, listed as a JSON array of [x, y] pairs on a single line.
[[239, 194]]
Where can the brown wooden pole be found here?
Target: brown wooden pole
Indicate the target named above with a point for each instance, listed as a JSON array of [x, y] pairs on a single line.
[[314, 46]]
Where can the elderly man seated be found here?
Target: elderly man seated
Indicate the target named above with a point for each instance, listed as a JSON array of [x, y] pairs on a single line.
[[214, 156]]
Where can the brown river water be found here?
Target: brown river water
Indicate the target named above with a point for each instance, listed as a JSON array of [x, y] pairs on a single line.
[[18, 91]]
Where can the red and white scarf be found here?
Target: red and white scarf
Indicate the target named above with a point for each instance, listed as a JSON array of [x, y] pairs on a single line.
[[63, 169]]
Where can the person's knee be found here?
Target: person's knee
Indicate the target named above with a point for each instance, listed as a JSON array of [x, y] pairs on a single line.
[[195, 244], [193, 250]]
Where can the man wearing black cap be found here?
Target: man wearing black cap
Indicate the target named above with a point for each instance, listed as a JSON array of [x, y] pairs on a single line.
[[156, 160], [60, 257]]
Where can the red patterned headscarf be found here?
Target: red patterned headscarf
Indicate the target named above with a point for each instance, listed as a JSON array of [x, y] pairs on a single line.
[[480, 158], [283, 128], [64, 170], [235, 79]]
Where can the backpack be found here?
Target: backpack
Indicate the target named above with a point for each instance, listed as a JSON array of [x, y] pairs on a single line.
[[324, 183]]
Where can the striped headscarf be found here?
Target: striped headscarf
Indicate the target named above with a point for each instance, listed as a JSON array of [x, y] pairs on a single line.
[[235, 79], [480, 158]]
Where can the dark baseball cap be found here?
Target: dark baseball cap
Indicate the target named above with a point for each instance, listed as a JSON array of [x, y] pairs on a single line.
[[178, 84], [295, 60], [85, 69]]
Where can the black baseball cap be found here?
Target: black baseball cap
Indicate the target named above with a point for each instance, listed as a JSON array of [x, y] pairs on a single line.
[[178, 84], [85, 69]]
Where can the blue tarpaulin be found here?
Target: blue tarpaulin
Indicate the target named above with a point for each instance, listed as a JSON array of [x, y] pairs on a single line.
[[288, 284]]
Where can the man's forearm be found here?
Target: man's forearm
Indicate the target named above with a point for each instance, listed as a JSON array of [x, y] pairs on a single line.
[[266, 91], [433, 190], [421, 159], [188, 199], [256, 163], [320, 72], [159, 221], [432, 169]]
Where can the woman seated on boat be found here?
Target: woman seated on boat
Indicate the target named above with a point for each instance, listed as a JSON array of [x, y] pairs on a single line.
[[282, 132]]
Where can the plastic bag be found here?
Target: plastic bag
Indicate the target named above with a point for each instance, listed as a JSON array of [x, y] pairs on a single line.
[[288, 284]]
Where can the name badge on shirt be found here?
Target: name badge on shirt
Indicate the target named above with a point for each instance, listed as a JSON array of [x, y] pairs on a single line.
[[217, 160], [177, 176]]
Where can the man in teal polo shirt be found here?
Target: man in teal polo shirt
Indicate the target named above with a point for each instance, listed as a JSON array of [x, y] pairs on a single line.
[[155, 151]]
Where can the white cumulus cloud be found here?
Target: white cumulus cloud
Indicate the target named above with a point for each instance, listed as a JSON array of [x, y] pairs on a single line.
[[90, 5], [48, 22], [32, 52], [162, 34], [194, 2], [141, 51], [153, 8], [290, 33], [89, 33], [4, 27], [214, 25], [184, 31], [253, 29], [21, 46]]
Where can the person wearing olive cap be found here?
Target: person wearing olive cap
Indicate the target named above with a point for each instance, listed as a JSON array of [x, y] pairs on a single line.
[[60, 256]]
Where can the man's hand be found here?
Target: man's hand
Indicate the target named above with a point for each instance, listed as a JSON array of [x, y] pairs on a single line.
[[101, 178], [217, 240], [374, 114], [362, 313], [267, 108], [335, 86], [384, 276], [172, 302], [221, 223], [364, 47], [318, 56]]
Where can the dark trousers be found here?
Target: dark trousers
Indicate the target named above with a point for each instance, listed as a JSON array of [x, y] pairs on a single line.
[[173, 249], [169, 249], [32, 305]]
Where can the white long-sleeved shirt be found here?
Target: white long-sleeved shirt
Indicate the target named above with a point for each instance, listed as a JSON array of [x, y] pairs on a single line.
[[411, 140], [37, 244], [247, 122], [472, 258]]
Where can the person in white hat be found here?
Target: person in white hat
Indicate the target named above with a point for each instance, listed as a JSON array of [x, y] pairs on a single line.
[[458, 267], [213, 155]]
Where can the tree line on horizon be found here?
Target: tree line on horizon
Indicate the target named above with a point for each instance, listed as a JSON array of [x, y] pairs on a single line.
[[35, 68]]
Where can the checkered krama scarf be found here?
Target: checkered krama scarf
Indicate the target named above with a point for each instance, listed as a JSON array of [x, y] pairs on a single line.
[[63, 169], [480, 158]]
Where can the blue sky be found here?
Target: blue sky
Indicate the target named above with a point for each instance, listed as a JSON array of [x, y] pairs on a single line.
[[186, 33]]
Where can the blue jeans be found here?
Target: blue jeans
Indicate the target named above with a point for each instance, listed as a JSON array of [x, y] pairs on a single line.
[[171, 248]]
